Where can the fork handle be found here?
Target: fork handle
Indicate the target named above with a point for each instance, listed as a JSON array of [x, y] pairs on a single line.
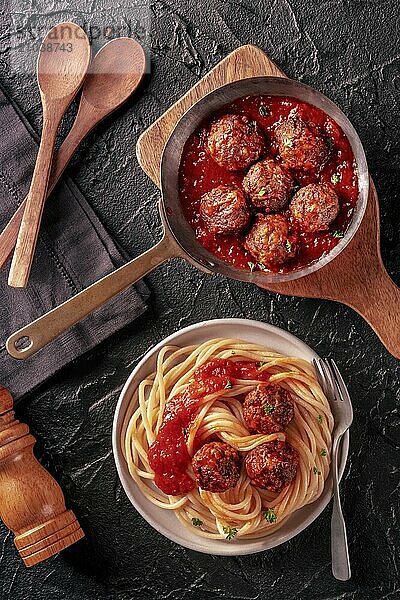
[[339, 549]]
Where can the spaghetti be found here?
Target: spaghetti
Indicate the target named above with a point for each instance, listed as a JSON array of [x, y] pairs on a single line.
[[216, 413]]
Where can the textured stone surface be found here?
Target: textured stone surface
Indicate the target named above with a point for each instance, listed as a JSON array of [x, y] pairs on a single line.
[[350, 51]]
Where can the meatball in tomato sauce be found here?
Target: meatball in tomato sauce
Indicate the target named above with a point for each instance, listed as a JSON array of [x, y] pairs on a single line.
[[267, 409], [216, 467], [268, 185], [272, 466], [315, 207], [235, 142], [301, 145], [269, 240], [224, 210]]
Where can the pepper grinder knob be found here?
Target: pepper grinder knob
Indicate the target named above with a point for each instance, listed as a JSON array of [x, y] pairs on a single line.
[[31, 502]]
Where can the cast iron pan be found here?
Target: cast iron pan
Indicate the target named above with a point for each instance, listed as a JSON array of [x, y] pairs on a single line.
[[179, 238]]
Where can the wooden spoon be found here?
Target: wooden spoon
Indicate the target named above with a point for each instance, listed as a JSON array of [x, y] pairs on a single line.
[[62, 65], [104, 90]]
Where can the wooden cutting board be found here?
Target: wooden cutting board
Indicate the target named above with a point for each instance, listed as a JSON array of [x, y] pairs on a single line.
[[357, 276]]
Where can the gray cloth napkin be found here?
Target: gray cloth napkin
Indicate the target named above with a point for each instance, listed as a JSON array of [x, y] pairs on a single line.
[[73, 251]]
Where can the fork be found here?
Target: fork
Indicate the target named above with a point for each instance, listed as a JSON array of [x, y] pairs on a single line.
[[335, 390]]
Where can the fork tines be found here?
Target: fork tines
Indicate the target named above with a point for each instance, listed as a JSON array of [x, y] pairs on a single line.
[[330, 379]]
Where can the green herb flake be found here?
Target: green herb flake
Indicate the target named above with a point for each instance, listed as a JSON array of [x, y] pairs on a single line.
[[264, 112], [262, 192], [287, 142], [229, 385], [252, 266], [269, 515], [316, 472], [337, 234], [229, 532], [336, 177], [296, 188], [288, 246], [261, 364], [330, 142], [323, 452], [253, 124], [269, 408], [197, 522], [320, 419], [262, 266], [233, 352]]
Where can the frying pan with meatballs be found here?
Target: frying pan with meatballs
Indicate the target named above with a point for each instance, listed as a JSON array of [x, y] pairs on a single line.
[[269, 183]]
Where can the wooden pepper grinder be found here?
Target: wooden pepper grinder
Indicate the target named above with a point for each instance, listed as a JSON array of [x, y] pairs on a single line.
[[31, 502]]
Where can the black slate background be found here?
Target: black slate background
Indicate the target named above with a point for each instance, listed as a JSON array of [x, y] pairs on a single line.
[[350, 51]]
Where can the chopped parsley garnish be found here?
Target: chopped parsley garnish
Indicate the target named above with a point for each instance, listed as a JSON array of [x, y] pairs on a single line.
[[253, 124], [330, 142], [288, 246], [229, 532], [296, 187], [233, 352], [268, 408], [323, 452], [261, 364], [262, 192], [229, 385], [316, 472], [262, 266], [336, 177], [252, 266], [320, 419], [337, 234], [264, 112], [269, 515], [197, 522], [287, 142]]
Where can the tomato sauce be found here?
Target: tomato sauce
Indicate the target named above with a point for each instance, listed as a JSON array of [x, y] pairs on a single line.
[[199, 173], [168, 455]]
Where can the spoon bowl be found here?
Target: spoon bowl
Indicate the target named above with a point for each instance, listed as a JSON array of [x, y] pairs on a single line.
[[63, 60], [117, 69]]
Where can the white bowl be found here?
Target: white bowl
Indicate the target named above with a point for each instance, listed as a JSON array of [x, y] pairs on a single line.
[[164, 521]]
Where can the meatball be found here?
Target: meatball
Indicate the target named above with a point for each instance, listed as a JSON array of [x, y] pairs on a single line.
[[235, 142], [267, 409], [268, 240], [315, 206], [301, 144], [216, 467], [268, 185], [224, 210], [272, 465]]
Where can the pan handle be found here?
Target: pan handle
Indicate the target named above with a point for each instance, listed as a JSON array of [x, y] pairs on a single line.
[[31, 338]]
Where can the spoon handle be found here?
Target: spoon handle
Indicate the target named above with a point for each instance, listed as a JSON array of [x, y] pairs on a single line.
[[28, 233], [30, 224], [9, 235], [85, 121]]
